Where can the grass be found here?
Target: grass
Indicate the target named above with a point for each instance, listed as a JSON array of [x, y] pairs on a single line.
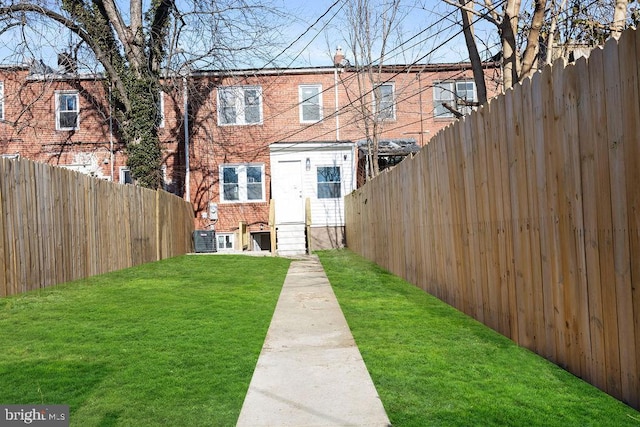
[[169, 343], [434, 366]]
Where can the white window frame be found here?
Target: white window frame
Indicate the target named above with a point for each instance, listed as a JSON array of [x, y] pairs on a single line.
[[122, 176], [229, 239], [59, 94], [381, 112], [307, 102], [239, 95], [318, 182], [453, 98], [243, 182], [1, 100]]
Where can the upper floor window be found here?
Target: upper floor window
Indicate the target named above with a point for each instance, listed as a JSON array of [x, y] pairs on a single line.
[[384, 101], [1, 100], [239, 105], [310, 103], [329, 182], [67, 110], [460, 95], [242, 183]]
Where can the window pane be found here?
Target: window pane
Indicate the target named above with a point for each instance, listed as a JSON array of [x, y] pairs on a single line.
[[251, 106], [329, 182], [385, 95], [310, 113], [230, 175], [254, 182], [440, 111], [329, 174], [230, 187], [310, 101], [443, 91], [252, 114], [68, 102], [68, 120], [309, 93], [227, 99], [231, 192]]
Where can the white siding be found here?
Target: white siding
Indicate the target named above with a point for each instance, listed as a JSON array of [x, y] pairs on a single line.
[[324, 212]]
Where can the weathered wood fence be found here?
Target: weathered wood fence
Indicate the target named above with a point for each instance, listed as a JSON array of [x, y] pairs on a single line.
[[525, 215], [57, 225]]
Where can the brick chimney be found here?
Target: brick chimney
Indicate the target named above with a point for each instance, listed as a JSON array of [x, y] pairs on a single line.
[[338, 58]]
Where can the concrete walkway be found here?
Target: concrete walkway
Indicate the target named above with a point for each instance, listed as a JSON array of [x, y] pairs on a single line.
[[310, 372]]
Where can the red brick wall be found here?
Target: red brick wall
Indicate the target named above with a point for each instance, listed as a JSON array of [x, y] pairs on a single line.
[[30, 130]]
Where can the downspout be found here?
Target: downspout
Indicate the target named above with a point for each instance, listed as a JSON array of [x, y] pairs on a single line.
[[337, 103], [421, 114], [111, 156], [185, 106]]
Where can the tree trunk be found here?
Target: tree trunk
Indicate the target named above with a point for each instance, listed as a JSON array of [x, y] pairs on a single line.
[[474, 56], [619, 18], [508, 31], [529, 58]]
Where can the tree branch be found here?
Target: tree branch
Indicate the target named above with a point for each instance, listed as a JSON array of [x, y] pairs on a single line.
[[484, 15], [455, 112]]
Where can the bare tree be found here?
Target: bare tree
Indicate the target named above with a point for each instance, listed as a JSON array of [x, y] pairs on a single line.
[[139, 49], [529, 32], [371, 27]]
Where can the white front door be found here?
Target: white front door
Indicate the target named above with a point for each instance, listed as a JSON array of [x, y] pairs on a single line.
[[286, 185]]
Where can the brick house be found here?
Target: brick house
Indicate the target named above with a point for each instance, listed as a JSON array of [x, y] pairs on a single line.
[[260, 142]]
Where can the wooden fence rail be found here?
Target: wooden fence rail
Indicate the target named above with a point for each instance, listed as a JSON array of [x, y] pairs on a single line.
[[525, 215], [57, 225]]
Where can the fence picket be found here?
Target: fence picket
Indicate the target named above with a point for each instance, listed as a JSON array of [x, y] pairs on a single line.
[[57, 225], [528, 214]]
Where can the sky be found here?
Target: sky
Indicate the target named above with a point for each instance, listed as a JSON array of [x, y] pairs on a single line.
[[427, 33]]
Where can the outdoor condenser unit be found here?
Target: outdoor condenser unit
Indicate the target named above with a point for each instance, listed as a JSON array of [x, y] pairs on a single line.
[[204, 241]]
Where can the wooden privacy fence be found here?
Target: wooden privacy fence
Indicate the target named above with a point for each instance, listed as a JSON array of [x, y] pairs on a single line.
[[525, 215], [57, 225]]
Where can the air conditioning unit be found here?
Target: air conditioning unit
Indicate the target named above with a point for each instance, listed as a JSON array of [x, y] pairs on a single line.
[[204, 241]]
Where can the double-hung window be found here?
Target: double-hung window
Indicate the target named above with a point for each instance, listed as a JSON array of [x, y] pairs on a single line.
[[310, 103], [67, 110], [239, 105], [242, 183], [384, 101], [329, 182], [460, 95]]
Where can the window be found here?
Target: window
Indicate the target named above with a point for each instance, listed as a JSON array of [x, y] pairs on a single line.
[[384, 101], [456, 94], [1, 100], [239, 105], [310, 103], [329, 182], [67, 111], [224, 242], [242, 183], [125, 176]]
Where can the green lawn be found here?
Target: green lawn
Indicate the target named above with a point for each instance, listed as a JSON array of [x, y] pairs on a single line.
[[434, 366], [169, 343]]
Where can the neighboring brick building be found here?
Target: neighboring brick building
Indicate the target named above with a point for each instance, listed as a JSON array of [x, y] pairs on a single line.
[[238, 124]]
